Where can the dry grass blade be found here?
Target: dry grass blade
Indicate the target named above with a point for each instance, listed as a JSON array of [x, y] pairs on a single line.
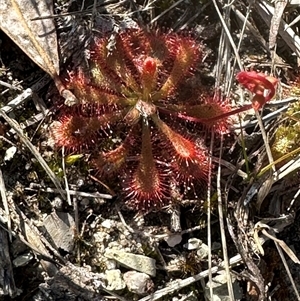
[[34, 247], [25, 95], [165, 11], [222, 229], [266, 180], [287, 270], [179, 284], [65, 177], [266, 141], [33, 150], [76, 193], [5, 204], [2, 83], [265, 188], [209, 218], [230, 167], [251, 28], [280, 244], [290, 154], [7, 281], [228, 34], [224, 64], [289, 167], [269, 233], [34, 240]]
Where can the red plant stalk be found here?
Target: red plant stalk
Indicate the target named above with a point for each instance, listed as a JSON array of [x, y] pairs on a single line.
[[258, 84]]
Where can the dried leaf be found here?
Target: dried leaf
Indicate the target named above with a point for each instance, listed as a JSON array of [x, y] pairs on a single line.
[[282, 244], [288, 251], [60, 227], [36, 38], [21, 21], [264, 189]]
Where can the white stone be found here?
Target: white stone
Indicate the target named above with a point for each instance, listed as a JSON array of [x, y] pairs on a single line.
[[10, 152], [193, 244], [108, 224], [114, 280]]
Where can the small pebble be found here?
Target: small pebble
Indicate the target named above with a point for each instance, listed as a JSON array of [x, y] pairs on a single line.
[[108, 224], [193, 244], [9, 154], [138, 283], [216, 246], [22, 260], [173, 240], [110, 264]]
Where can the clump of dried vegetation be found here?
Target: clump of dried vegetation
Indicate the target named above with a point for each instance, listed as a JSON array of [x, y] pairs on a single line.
[[164, 133]]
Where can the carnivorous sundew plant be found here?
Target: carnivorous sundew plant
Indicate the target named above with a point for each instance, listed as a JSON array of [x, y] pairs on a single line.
[[137, 114]]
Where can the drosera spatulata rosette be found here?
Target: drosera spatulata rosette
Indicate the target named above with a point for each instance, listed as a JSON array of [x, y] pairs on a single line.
[[134, 119]]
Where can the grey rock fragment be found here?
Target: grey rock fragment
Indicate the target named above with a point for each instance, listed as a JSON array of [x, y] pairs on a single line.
[[174, 239], [60, 227], [22, 260], [138, 283], [216, 246], [139, 263]]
